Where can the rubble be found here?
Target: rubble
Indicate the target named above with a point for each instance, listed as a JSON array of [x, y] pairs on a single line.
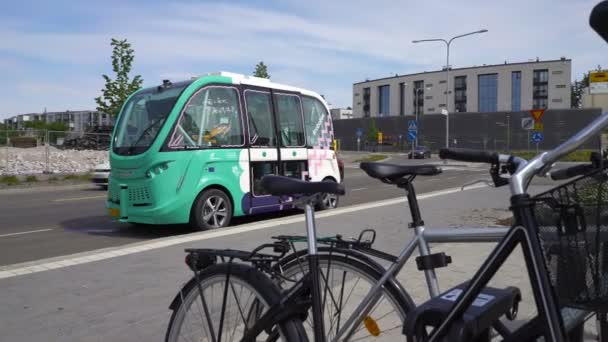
[[33, 160]]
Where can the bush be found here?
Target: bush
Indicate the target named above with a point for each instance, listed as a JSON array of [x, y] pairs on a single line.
[[9, 180], [31, 179]]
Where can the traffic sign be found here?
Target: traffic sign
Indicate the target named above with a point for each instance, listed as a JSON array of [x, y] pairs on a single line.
[[527, 123], [537, 137], [412, 125], [537, 114], [359, 132], [411, 135], [539, 126]]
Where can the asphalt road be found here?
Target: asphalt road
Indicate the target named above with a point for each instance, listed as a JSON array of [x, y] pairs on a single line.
[[40, 224]]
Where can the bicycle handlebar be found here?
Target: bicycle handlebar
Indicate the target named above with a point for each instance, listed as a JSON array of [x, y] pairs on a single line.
[[468, 155], [573, 171]]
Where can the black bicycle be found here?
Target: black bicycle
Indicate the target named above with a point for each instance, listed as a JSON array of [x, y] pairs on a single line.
[[562, 232]]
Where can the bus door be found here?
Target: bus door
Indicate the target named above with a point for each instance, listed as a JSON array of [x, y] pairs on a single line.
[[276, 138]]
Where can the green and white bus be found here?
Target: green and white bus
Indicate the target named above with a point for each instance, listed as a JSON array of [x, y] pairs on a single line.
[[195, 151]]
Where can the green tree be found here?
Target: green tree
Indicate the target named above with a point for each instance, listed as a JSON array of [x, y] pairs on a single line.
[[372, 131], [117, 90], [261, 70], [578, 87]]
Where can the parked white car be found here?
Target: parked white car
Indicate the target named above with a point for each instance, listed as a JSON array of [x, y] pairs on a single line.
[[101, 173]]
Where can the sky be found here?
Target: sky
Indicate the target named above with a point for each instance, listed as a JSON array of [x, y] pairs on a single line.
[[53, 53]]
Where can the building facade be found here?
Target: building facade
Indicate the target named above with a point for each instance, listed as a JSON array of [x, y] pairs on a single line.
[[341, 113], [78, 121], [489, 88]]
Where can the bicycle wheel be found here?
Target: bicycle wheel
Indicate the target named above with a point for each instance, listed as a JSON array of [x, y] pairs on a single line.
[[344, 283], [229, 306]]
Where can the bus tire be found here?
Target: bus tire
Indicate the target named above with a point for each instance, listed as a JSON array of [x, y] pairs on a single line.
[[328, 201], [212, 210]]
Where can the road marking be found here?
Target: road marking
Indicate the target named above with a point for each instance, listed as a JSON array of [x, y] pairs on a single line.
[[357, 189], [11, 271], [28, 232], [78, 198]]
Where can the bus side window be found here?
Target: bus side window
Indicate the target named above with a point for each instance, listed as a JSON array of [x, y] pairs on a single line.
[[211, 119], [289, 112], [317, 122], [261, 130]]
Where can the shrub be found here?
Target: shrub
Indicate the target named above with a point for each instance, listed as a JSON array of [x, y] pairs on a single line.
[[9, 180], [31, 179]]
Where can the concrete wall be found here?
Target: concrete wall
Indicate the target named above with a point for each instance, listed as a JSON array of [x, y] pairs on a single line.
[[559, 98], [489, 131]]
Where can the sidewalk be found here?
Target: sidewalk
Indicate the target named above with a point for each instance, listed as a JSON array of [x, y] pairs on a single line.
[[126, 297]]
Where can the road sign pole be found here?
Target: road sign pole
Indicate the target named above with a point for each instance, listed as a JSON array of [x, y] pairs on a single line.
[[528, 140], [536, 148]]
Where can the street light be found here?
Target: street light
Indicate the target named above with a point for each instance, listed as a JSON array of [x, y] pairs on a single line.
[[447, 76]]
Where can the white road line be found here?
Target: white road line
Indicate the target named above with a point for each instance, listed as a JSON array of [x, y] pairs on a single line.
[[357, 189], [28, 232], [11, 271]]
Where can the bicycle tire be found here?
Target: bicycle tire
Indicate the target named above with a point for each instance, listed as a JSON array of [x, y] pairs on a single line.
[[397, 288], [266, 292], [391, 295]]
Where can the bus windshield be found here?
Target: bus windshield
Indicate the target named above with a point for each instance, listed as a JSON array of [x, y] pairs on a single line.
[[143, 116]]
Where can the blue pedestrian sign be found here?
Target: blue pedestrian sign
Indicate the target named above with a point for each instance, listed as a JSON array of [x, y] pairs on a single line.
[[359, 132], [411, 135], [537, 137], [412, 125]]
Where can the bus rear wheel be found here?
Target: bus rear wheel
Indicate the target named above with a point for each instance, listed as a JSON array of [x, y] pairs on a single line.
[[328, 201], [212, 210]]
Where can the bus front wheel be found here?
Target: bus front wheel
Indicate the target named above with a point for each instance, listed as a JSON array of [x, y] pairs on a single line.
[[212, 210]]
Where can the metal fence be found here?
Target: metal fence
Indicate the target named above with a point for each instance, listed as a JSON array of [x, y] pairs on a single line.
[[43, 151], [485, 131]]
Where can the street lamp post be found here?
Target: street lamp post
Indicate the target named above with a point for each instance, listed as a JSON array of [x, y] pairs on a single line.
[[447, 76]]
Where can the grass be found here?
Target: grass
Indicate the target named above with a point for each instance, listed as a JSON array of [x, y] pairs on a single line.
[[86, 176], [9, 180], [371, 158], [53, 179], [31, 179], [71, 177], [576, 156]]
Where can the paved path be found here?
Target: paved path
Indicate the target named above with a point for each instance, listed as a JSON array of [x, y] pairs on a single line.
[[123, 296]]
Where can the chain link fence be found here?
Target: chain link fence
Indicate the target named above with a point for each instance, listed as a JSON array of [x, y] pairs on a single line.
[[42, 151]]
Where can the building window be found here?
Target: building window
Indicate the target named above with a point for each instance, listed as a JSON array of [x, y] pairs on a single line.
[[402, 98], [383, 100], [557, 72], [540, 89], [442, 82], [418, 97], [428, 97], [560, 86], [428, 85], [366, 102], [488, 92], [460, 94], [556, 100], [516, 91], [430, 109]]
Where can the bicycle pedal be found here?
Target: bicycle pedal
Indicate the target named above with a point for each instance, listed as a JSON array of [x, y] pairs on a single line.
[[488, 307]]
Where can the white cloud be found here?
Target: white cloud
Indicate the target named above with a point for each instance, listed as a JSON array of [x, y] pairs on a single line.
[[323, 45]]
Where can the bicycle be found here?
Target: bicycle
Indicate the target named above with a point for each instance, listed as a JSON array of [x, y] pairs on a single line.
[[458, 320]]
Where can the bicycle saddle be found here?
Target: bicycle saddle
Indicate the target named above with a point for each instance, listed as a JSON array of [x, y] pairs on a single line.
[[394, 171], [280, 185]]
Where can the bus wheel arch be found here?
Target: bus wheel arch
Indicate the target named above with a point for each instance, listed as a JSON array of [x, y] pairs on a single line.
[[213, 208], [328, 201]]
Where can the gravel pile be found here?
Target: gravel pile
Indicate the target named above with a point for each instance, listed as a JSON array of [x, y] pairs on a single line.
[[33, 160]]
